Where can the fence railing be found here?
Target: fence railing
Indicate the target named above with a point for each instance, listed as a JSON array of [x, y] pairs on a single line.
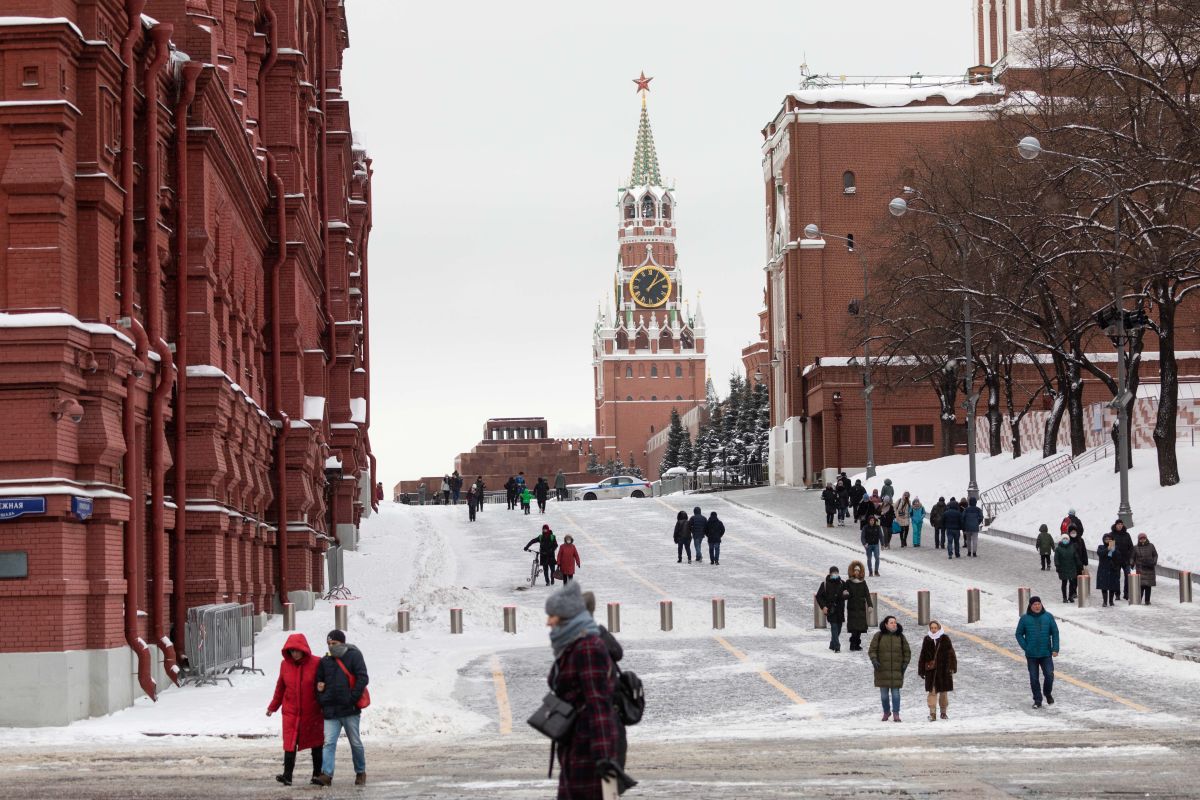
[[220, 640], [714, 480], [1004, 496]]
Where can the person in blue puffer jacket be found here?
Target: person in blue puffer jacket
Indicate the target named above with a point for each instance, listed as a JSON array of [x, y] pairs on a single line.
[[972, 521], [699, 525], [952, 520], [1037, 633]]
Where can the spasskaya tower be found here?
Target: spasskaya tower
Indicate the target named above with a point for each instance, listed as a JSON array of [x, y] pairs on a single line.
[[647, 347]]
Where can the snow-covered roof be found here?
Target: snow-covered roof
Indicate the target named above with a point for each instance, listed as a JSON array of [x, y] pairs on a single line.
[[314, 407], [13, 21], [358, 409], [882, 93], [58, 319]]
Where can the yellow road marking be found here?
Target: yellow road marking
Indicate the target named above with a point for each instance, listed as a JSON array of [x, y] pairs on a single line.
[[762, 673], [984, 643], [501, 697]]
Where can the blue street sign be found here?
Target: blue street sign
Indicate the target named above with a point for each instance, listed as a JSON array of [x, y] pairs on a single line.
[[81, 507], [13, 507]]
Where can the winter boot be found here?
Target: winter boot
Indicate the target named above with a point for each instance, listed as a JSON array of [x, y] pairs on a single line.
[[286, 780], [932, 717], [886, 716], [324, 779], [360, 779], [944, 714], [896, 718]]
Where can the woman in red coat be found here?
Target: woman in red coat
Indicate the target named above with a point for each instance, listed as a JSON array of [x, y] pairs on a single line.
[[296, 692], [568, 558]]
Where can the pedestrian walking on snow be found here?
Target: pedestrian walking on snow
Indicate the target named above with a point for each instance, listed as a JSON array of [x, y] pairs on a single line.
[[568, 558], [480, 498], [831, 598], [871, 537], [829, 496], [918, 520], [1066, 564], [341, 681], [682, 537], [1069, 521], [843, 497], [1125, 548], [471, 504], [864, 509], [583, 676], [1108, 570], [547, 546], [858, 493], [1045, 546], [952, 521], [937, 665], [510, 492], [526, 499], [1081, 550], [445, 490], [560, 486], [714, 529], [1145, 558], [1037, 634], [698, 524], [887, 516], [889, 653], [972, 521], [904, 518], [296, 694], [888, 491], [936, 514], [541, 491], [858, 600]]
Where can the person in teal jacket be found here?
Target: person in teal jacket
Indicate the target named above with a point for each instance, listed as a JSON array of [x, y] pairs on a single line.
[[1037, 633], [918, 519]]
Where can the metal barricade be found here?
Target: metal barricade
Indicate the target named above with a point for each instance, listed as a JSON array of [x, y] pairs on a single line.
[[220, 639]]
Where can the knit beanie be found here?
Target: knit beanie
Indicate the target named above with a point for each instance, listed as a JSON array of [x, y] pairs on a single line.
[[1044, 529], [567, 602], [336, 636]]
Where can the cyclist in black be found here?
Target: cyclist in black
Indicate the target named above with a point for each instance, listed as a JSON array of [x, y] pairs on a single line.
[[547, 544]]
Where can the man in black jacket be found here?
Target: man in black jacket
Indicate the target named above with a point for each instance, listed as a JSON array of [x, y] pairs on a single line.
[[714, 529], [341, 680], [698, 524]]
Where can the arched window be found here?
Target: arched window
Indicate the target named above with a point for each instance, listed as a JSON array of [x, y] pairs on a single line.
[[654, 370], [629, 370], [850, 242], [848, 184], [653, 397], [678, 370], [630, 210], [678, 397], [642, 341], [622, 340], [647, 207], [629, 398], [666, 206]]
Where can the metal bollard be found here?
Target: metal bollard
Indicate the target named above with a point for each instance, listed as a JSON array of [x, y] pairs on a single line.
[[1135, 588], [1023, 595], [819, 620], [666, 615], [456, 620], [402, 622], [718, 613], [972, 605], [1185, 586], [873, 611], [1085, 590], [614, 617], [510, 619], [769, 611], [289, 616], [341, 617], [923, 607]]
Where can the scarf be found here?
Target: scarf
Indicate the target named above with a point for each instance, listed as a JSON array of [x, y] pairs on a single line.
[[338, 650], [566, 632], [938, 635]]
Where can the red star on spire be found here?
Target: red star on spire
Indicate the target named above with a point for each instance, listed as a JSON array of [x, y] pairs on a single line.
[[643, 83]]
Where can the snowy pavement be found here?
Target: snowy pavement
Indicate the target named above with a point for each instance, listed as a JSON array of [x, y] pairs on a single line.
[[729, 713]]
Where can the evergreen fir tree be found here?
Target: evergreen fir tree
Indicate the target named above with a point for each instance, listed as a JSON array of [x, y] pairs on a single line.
[[617, 467], [714, 455], [593, 462], [687, 454], [675, 437], [736, 411], [762, 425]]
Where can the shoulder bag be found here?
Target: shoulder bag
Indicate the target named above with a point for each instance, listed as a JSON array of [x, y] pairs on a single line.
[[364, 699]]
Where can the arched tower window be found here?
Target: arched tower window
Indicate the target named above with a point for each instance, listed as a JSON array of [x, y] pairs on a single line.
[[654, 397], [642, 342], [848, 183], [678, 370], [666, 209], [628, 398], [622, 340], [647, 207], [629, 370], [630, 209], [654, 370]]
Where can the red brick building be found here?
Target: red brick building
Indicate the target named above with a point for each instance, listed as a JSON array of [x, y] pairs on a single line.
[[648, 357], [183, 343]]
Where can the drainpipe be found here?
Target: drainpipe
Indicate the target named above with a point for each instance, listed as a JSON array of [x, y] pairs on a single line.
[[131, 463], [161, 34], [281, 504], [187, 92], [323, 216]]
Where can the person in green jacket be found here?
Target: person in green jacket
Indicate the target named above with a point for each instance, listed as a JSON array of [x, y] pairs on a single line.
[[1037, 633], [1045, 546], [890, 654], [1066, 563], [526, 498]]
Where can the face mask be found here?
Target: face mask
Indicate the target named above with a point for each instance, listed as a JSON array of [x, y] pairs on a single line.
[[833, 576], [1066, 540]]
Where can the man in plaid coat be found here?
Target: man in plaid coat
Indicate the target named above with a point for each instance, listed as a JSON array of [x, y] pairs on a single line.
[[583, 675]]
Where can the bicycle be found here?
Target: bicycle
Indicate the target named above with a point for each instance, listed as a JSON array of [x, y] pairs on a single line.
[[535, 570]]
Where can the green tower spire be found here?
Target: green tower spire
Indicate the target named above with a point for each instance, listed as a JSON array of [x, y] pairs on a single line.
[[645, 159]]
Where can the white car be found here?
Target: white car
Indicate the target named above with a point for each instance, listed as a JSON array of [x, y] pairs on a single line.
[[614, 487]]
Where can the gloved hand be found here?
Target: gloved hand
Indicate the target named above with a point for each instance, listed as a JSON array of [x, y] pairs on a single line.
[[875, 663]]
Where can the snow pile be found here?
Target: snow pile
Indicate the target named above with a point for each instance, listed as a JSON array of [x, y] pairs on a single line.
[[884, 95], [1164, 513], [947, 476]]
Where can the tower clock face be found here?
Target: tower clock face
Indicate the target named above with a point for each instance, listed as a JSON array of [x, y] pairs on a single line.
[[650, 287]]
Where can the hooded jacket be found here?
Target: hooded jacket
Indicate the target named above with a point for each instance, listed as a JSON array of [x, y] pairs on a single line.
[[1124, 543], [859, 599], [568, 558], [888, 490], [1037, 633], [546, 543], [832, 595], [937, 513], [972, 518], [698, 524], [1045, 542], [1066, 562], [952, 518], [889, 653], [338, 700], [296, 694], [714, 529]]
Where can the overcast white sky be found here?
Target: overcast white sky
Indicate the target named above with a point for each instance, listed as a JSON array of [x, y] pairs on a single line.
[[500, 133]]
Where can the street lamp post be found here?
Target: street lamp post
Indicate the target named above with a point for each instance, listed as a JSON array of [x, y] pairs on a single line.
[[812, 231], [1030, 148], [898, 208]]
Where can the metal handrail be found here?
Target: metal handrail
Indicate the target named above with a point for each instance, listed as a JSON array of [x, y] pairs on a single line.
[[1004, 496]]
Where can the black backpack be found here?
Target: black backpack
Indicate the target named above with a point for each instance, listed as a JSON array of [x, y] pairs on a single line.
[[630, 699]]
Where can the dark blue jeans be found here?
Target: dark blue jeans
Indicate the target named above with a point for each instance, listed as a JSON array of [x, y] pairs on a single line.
[[685, 545], [835, 633], [1046, 665], [952, 544], [714, 549], [698, 546], [894, 696]]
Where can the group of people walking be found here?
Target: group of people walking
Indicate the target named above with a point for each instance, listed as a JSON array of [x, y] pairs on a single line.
[[557, 562], [1117, 556], [692, 531]]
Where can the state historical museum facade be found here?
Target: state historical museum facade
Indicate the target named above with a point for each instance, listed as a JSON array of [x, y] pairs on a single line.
[[183, 331]]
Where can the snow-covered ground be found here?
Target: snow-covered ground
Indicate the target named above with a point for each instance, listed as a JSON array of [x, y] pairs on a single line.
[[947, 476], [745, 681], [1166, 514]]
